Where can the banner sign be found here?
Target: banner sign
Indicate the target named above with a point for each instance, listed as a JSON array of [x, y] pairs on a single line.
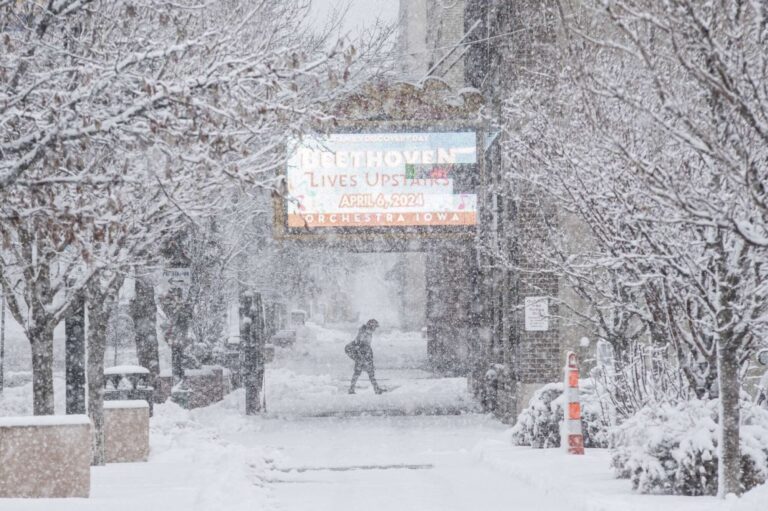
[[347, 180]]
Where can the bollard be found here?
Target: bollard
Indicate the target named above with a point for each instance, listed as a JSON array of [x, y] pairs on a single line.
[[572, 438]]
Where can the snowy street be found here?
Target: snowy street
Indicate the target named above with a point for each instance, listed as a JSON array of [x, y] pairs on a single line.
[[218, 459], [381, 463], [320, 449]]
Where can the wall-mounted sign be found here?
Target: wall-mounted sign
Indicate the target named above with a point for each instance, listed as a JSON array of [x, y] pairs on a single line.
[[176, 278], [536, 313], [375, 180]]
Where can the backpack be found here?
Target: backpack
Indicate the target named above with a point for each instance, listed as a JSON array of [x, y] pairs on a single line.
[[358, 350], [352, 350]]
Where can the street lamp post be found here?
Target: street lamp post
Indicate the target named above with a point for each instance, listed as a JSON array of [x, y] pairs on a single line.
[[252, 344], [177, 280]]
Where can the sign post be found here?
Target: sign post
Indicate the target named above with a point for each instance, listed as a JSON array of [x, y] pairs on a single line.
[[176, 282], [177, 278]]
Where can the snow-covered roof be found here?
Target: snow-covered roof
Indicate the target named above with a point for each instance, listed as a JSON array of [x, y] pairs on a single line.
[[126, 369], [129, 403]]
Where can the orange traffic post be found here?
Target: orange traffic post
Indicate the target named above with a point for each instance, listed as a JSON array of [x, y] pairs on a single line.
[[572, 437]]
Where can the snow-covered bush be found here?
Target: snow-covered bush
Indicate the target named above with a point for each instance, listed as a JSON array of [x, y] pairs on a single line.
[[673, 448], [538, 425]]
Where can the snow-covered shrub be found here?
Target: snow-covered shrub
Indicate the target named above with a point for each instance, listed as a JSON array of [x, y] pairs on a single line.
[[538, 425], [753, 445], [669, 448]]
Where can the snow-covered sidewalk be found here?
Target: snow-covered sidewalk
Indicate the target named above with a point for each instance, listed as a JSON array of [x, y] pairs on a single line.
[[191, 468], [320, 449], [588, 484], [312, 378], [217, 458]]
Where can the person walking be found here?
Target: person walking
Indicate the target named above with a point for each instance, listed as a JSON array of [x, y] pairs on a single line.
[[361, 352]]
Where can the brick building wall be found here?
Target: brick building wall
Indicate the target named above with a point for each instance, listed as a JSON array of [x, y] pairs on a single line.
[[511, 47], [449, 306], [507, 44]]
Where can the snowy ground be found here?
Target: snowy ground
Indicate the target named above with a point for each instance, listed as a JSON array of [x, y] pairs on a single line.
[[321, 449], [312, 378]]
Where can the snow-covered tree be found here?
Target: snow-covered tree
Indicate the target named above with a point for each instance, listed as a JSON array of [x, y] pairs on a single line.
[[83, 73], [649, 137], [120, 121]]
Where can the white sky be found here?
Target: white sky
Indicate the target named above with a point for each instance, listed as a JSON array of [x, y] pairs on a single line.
[[361, 13]]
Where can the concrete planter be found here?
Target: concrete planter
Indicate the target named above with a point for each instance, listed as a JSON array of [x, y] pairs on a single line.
[[126, 431], [206, 386], [45, 456]]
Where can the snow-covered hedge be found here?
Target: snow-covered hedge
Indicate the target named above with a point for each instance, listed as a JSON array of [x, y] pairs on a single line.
[[673, 448], [538, 425]]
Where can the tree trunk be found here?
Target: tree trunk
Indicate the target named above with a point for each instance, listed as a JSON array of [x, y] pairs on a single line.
[[252, 343], [74, 326], [729, 469], [2, 340], [260, 345], [144, 313], [42, 370], [98, 313]]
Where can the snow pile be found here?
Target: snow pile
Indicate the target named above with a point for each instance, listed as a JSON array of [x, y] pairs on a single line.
[[292, 394], [753, 500], [216, 472], [538, 425], [586, 483], [17, 378], [672, 449], [17, 401]]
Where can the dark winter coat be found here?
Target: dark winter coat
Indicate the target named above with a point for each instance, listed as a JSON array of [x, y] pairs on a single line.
[[360, 349]]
